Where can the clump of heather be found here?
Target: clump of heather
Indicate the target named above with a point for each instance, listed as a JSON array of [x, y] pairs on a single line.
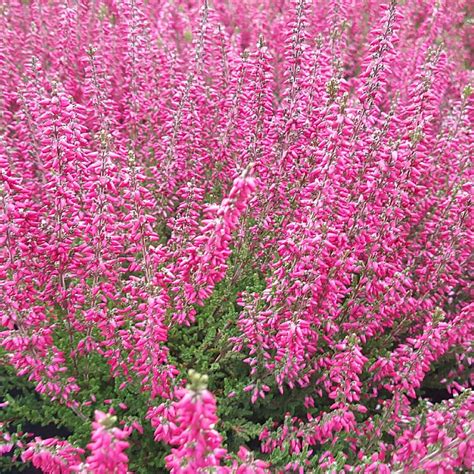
[[236, 236]]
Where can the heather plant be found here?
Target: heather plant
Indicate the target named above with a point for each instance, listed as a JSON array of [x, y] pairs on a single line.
[[236, 237]]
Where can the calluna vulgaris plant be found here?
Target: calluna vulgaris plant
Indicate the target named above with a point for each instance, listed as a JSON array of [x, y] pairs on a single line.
[[276, 194]]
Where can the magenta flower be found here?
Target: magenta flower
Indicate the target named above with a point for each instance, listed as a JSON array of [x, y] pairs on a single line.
[[107, 446]]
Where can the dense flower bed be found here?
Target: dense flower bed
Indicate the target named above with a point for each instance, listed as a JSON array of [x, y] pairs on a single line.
[[236, 236]]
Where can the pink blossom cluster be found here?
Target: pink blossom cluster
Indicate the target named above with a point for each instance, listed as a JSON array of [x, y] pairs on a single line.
[[107, 447], [204, 263], [153, 150], [191, 420], [189, 424], [443, 441], [53, 456]]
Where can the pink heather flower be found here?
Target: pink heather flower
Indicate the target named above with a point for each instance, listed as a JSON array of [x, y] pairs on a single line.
[[107, 446], [189, 424], [199, 445], [247, 465], [442, 441], [53, 456], [203, 263], [5, 448]]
